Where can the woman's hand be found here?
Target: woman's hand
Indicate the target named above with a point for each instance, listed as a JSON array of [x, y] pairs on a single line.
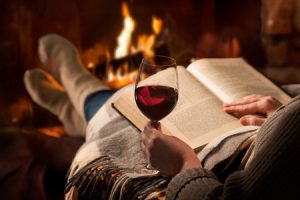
[[253, 109], [165, 153]]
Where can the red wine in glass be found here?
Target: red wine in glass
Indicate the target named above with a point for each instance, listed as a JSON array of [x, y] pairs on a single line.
[[156, 88], [156, 101]]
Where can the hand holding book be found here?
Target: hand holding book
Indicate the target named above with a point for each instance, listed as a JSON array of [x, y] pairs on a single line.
[[253, 109]]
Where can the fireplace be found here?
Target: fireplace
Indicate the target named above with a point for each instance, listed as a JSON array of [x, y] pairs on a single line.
[[186, 30]]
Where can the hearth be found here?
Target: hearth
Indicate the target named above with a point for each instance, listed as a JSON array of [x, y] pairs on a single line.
[[185, 30]]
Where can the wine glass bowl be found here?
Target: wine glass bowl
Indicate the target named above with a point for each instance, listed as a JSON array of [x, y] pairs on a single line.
[[156, 88]]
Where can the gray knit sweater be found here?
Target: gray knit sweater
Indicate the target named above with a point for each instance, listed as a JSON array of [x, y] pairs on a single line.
[[274, 172]]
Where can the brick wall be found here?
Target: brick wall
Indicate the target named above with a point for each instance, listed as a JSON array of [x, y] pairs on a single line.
[[281, 39]]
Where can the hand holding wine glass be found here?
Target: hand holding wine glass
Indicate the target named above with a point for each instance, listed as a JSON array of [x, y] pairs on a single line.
[[156, 88]]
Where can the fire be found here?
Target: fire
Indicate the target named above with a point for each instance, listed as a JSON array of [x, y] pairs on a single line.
[[145, 43], [232, 48], [124, 39], [100, 55], [91, 65], [121, 77], [157, 25]]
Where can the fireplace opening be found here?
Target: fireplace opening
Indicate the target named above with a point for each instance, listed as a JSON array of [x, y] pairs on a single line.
[[185, 31], [113, 36]]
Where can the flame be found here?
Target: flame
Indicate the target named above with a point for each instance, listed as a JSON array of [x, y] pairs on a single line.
[[91, 65], [145, 44], [157, 25], [117, 78], [124, 39], [55, 131], [232, 48], [98, 54], [121, 77]]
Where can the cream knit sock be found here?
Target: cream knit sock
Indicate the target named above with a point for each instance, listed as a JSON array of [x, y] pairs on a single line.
[[61, 57], [49, 94]]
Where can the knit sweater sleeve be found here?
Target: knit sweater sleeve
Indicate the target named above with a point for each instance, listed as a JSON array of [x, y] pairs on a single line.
[[183, 185], [273, 173]]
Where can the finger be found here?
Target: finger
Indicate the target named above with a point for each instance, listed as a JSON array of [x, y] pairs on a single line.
[[246, 109], [253, 96], [148, 139], [145, 150], [252, 99], [143, 147], [242, 102], [155, 124], [148, 125], [148, 128], [149, 135], [237, 115], [144, 139], [252, 120]]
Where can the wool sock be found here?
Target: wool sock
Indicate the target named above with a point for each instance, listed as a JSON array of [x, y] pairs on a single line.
[[49, 94], [61, 58]]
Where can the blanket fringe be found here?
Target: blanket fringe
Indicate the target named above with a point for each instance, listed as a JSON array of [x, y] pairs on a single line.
[[102, 179]]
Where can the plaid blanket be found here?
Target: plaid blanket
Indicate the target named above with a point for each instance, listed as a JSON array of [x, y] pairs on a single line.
[[103, 179]]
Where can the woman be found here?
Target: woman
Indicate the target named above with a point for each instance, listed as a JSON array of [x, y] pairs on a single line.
[[111, 162]]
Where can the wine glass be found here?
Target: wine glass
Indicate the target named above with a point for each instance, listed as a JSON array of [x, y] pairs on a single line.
[[156, 87]]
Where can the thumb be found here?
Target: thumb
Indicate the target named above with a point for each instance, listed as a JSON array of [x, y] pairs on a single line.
[[252, 120]]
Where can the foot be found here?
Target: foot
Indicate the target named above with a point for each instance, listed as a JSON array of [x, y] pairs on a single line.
[[54, 49], [61, 58], [49, 94]]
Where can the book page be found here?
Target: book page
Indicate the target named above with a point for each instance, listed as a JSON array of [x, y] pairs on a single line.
[[199, 111], [197, 118], [232, 79]]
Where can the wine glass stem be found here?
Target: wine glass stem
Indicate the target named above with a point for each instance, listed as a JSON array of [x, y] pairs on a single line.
[[155, 123]]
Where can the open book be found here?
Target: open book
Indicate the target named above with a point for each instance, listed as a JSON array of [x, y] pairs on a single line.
[[203, 88]]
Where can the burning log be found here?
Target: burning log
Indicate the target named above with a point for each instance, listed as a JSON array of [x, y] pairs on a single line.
[[122, 71], [133, 61]]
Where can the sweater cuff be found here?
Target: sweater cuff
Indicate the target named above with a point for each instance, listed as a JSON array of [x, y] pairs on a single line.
[[184, 178]]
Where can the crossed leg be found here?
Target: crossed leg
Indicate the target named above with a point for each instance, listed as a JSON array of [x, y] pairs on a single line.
[[71, 92]]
